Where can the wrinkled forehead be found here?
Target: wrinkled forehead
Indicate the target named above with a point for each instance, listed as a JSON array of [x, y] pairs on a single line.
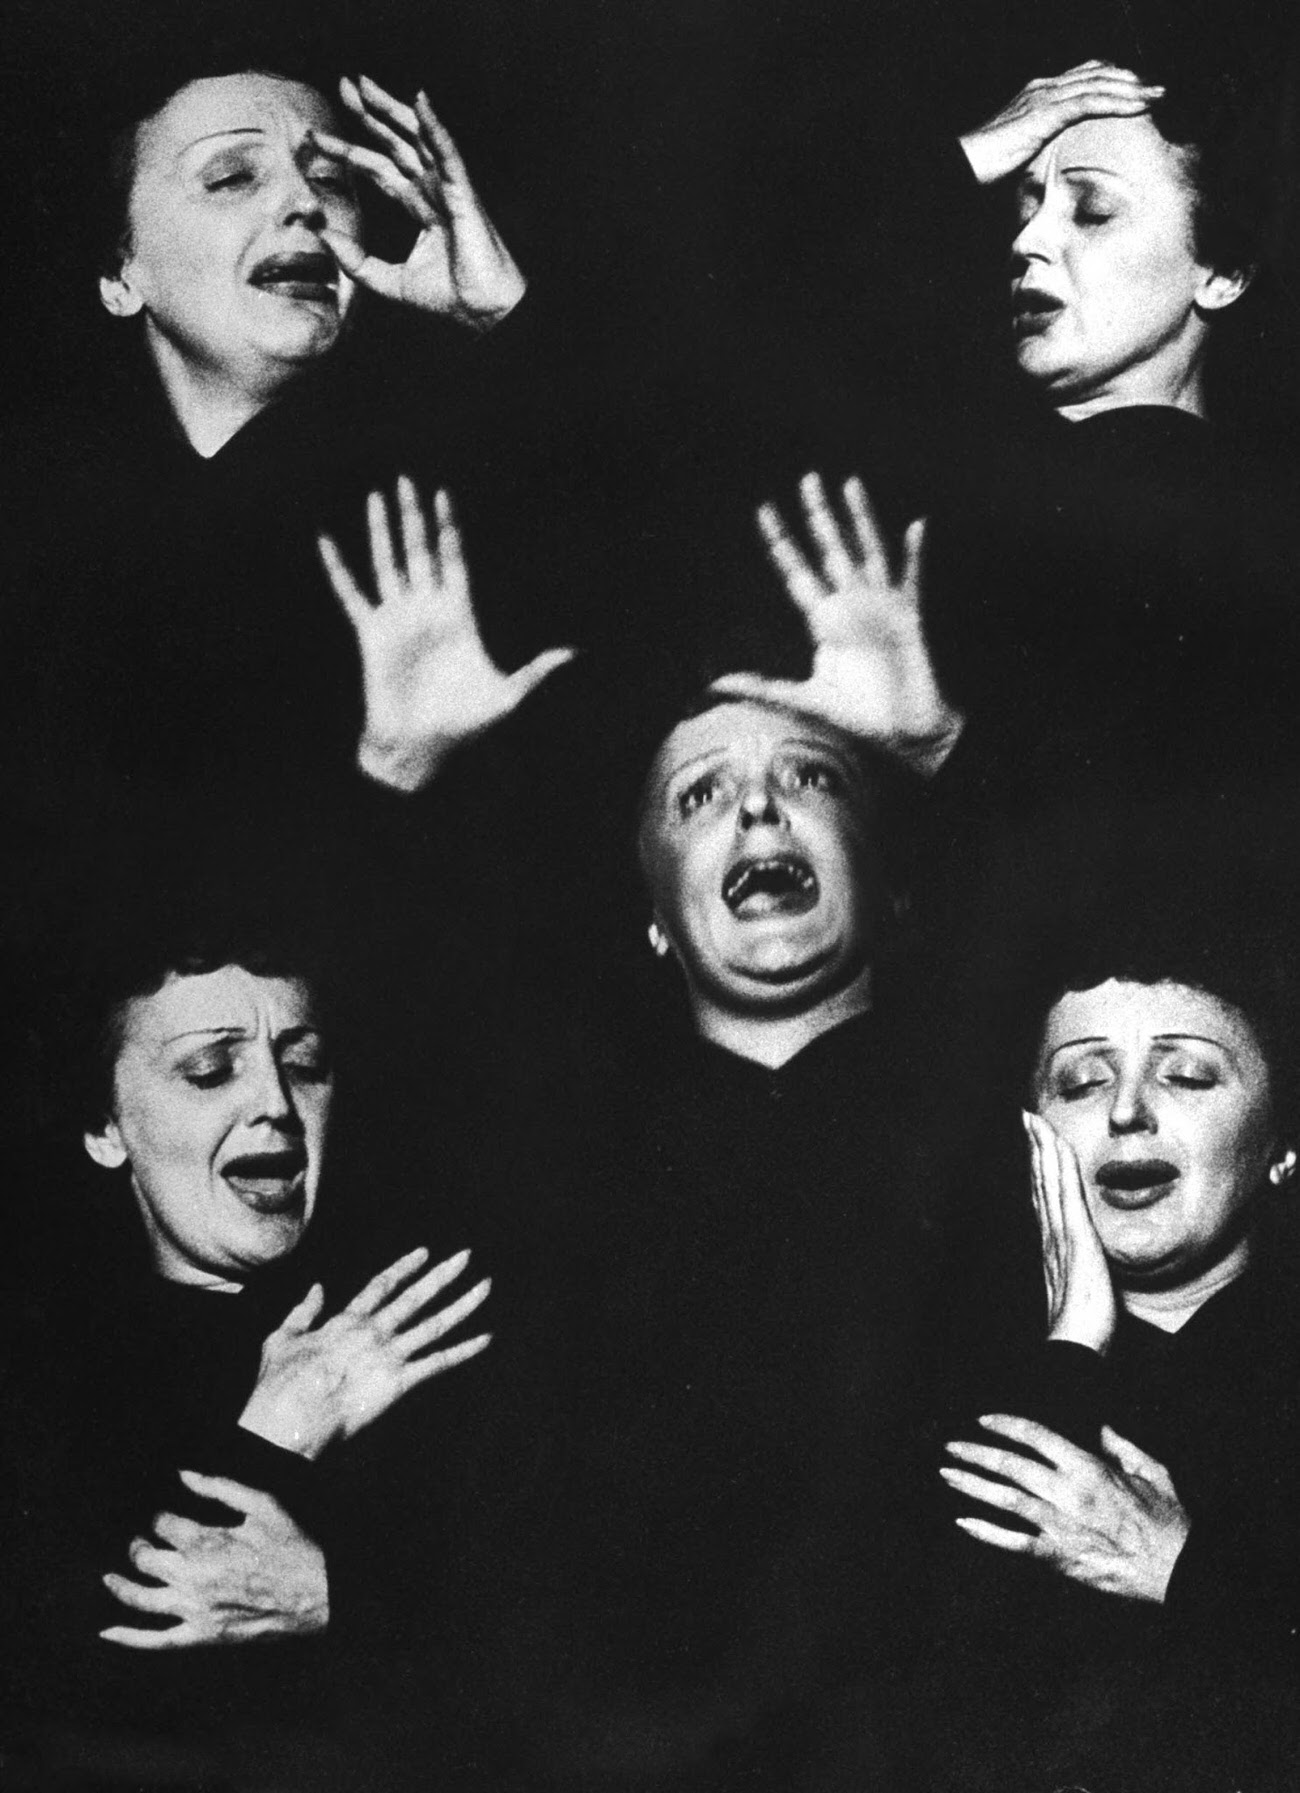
[[271, 106], [1131, 1015], [1127, 149], [747, 734], [224, 1001]]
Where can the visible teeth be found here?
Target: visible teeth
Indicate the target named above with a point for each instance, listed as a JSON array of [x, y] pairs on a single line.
[[770, 876]]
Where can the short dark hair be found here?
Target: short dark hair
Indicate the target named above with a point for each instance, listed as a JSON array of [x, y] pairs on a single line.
[[131, 943], [1226, 129], [1154, 929]]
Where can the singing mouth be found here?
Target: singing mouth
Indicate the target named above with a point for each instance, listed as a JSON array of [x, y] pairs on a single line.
[[1136, 1182], [782, 884], [270, 1182], [298, 274], [1033, 311]]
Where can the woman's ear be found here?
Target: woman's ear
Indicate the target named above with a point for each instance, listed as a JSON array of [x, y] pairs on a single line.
[[1282, 1169], [1218, 290], [106, 1147], [660, 944], [118, 296]]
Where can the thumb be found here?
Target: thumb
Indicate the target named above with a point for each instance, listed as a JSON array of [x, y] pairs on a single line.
[[1134, 1461], [529, 677], [913, 556], [367, 270]]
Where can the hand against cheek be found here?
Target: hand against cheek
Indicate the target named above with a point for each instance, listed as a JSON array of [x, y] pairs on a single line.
[[1044, 108], [429, 684], [459, 267], [1114, 1523], [318, 1384], [232, 1584], [1080, 1294], [872, 674]]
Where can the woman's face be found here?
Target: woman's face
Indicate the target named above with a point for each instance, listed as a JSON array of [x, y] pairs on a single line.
[[225, 257], [1163, 1092], [1108, 298], [756, 840], [221, 1095]]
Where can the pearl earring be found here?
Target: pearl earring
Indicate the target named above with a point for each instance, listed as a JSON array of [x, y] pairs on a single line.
[[1280, 1173], [658, 939]]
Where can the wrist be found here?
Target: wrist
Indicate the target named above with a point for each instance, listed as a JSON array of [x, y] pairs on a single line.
[[925, 754], [284, 1428], [978, 152], [402, 765], [1094, 1332]]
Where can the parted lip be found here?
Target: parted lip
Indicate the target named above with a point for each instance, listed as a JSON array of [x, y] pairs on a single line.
[[306, 268], [1032, 309], [1126, 1176], [281, 1164], [1034, 298], [774, 883]]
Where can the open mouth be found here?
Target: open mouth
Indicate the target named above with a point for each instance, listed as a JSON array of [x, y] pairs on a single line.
[[784, 884], [270, 1182], [1133, 1183], [1032, 311], [299, 274]]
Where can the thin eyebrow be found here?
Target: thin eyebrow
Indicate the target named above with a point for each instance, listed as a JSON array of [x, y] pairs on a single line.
[[1087, 169], [230, 131], [1084, 1040], [1158, 1039], [287, 1036], [719, 755]]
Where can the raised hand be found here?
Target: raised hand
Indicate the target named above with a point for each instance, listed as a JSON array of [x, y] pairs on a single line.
[[872, 675], [226, 1584], [1114, 1523], [459, 266], [321, 1383], [1044, 108], [428, 682], [1080, 1294]]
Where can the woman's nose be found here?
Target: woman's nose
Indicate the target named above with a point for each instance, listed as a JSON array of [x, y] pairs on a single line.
[[300, 203], [760, 806], [272, 1099], [1035, 240], [1130, 1109]]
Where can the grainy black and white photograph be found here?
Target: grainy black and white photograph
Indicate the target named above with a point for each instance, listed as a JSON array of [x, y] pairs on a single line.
[[651, 926]]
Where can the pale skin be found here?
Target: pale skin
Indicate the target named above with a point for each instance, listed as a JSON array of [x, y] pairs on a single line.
[[1112, 1521], [458, 267], [318, 1385], [235, 170], [1047, 106], [429, 683], [1111, 305], [872, 675], [260, 1577], [1168, 1083], [746, 784]]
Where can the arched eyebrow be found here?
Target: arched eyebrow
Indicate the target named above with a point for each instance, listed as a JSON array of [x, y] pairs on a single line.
[[236, 1031], [230, 131], [1083, 1040]]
